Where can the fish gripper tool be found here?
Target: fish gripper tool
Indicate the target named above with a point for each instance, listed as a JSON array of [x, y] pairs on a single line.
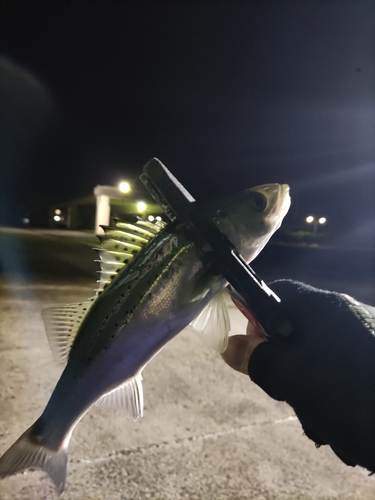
[[250, 293]]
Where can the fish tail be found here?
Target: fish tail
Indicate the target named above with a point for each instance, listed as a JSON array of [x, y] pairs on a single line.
[[26, 452]]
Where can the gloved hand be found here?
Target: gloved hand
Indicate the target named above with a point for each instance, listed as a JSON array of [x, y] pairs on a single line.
[[325, 370]]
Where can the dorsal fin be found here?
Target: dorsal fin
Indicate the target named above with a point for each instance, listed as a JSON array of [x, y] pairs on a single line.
[[119, 245], [150, 226], [122, 235], [62, 324], [136, 229]]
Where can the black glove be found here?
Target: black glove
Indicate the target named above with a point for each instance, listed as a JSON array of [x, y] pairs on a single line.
[[326, 370]]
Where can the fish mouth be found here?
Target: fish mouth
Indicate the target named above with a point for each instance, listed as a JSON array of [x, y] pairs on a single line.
[[285, 200], [281, 206]]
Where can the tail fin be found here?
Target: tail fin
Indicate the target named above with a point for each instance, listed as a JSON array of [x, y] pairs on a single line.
[[27, 452]]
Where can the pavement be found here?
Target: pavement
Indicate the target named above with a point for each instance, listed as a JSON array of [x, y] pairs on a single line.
[[208, 432]]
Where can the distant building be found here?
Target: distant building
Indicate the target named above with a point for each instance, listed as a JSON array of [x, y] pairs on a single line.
[[89, 211]]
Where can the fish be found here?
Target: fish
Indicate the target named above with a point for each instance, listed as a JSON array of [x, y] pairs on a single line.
[[155, 280]]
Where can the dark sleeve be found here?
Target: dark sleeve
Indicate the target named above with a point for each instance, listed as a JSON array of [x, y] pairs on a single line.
[[326, 371]]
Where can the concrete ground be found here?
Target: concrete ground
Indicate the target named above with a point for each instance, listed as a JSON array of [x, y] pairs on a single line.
[[207, 433]]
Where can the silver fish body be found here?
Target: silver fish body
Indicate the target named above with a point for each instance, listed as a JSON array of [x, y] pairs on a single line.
[[130, 321], [149, 301]]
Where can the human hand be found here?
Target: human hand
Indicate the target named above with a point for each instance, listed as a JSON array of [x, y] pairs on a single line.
[[325, 370], [240, 348]]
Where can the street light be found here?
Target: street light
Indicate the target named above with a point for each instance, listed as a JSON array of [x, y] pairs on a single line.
[[310, 219], [141, 206], [124, 187]]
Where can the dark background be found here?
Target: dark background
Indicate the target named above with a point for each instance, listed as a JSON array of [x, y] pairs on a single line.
[[228, 94]]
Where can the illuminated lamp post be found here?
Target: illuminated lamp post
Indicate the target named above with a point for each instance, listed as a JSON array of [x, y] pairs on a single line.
[[310, 219]]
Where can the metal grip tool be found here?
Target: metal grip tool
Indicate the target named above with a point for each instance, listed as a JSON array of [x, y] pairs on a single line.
[[246, 287]]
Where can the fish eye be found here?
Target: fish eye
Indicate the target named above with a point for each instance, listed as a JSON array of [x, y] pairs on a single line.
[[258, 202]]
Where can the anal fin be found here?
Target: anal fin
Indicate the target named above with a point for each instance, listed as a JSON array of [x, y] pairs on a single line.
[[128, 397]]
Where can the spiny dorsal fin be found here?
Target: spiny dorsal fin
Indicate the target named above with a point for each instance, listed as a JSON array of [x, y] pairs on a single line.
[[150, 226], [113, 256], [212, 325], [62, 324], [136, 229], [122, 235], [120, 244], [128, 398]]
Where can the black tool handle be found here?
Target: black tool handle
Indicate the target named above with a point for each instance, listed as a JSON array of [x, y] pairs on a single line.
[[166, 190]]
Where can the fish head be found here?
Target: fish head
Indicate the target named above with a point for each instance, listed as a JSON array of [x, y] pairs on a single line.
[[249, 218]]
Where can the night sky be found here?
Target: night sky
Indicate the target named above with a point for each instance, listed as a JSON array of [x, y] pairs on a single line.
[[228, 94]]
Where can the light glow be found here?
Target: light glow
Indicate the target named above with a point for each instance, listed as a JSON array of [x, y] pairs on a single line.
[[158, 218], [151, 218], [58, 211], [309, 219], [57, 218], [141, 206], [322, 220], [124, 187]]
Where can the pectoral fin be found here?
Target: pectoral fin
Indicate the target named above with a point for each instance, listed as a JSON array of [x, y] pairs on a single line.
[[128, 398], [213, 324]]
